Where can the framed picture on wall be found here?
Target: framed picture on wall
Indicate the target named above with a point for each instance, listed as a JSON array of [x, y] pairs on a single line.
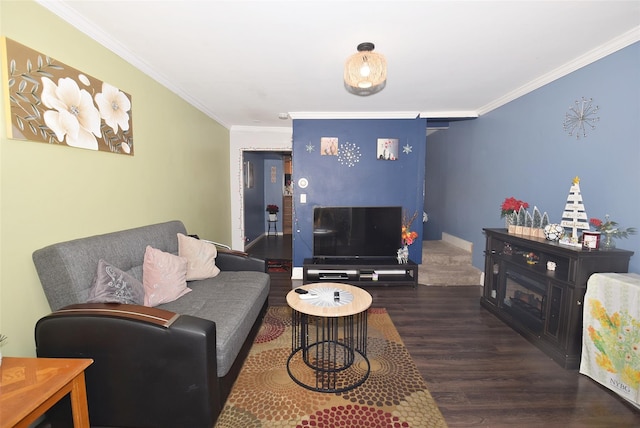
[[329, 146], [387, 149], [53, 103], [248, 175]]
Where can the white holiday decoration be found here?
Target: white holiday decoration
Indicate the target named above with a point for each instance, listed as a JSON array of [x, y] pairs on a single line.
[[545, 220], [528, 220], [537, 218], [574, 215], [553, 232], [522, 216]]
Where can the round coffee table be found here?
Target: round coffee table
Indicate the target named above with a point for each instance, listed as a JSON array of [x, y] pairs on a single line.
[[329, 339]]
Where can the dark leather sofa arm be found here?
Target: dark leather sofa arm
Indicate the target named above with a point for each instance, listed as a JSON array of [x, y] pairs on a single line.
[[229, 260], [145, 372]]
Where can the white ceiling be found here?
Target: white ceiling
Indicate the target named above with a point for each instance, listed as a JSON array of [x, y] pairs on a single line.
[[245, 62]]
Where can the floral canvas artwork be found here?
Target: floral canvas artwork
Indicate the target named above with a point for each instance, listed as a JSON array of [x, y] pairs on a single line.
[[617, 340], [611, 333], [53, 103]]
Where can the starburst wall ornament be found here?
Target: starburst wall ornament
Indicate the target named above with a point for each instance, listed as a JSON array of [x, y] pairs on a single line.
[[349, 154], [580, 117]]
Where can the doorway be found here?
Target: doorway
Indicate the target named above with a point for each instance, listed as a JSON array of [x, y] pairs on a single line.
[[266, 180]]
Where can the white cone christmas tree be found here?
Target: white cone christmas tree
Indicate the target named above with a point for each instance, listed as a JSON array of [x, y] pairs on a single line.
[[574, 215]]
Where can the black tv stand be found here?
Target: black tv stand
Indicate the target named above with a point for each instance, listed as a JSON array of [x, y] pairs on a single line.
[[360, 271], [351, 261]]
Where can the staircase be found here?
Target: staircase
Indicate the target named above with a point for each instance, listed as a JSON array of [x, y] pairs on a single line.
[[446, 264]]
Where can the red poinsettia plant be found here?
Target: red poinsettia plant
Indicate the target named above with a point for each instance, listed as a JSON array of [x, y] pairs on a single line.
[[408, 236], [611, 227], [272, 209], [512, 205]]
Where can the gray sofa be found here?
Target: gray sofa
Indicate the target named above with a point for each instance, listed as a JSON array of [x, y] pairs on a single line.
[[169, 366]]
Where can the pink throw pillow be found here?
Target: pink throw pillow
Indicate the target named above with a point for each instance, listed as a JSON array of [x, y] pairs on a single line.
[[201, 256], [164, 277]]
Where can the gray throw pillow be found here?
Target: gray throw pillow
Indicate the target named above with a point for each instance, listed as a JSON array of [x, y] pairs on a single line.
[[112, 285]]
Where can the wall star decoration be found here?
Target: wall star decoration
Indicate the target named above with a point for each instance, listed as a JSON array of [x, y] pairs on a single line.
[[348, 154], [53, 103], [582, 113]]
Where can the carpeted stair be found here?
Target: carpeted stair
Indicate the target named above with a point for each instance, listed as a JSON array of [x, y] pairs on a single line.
[[447, 264]]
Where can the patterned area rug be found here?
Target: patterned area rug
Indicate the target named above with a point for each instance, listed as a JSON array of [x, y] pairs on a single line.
[[394, 395]]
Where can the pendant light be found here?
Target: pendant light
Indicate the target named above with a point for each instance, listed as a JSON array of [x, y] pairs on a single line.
[[365, 72]]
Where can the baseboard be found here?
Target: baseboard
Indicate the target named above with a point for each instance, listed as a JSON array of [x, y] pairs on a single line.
[[264, 235], [457, 242], [297, 273], [250, 244]]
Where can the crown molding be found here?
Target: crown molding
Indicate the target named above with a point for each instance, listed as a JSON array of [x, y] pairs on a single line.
[[614, 45], [453, 114], [353, 114], [261, 129]]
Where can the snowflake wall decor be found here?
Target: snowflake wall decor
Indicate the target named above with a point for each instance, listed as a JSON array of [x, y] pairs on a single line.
[[407, 149], [582, 113], [348, 154], [310, 148]]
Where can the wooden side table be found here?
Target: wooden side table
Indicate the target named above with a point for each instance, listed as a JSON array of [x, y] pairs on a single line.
[[31, 386], [329, 338]]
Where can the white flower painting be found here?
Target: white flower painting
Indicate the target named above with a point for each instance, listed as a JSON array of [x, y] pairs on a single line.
[[73, 116], [57, 104]]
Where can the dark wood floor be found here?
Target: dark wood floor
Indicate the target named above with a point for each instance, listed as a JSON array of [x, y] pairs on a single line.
[[479, 371], [272, 247]]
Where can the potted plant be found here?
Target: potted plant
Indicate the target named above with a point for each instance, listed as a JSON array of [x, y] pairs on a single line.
[[408, 236], [509, 210], [272, 209], [609, 230]]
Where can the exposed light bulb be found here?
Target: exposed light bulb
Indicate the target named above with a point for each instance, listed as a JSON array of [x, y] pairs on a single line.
[[365, 70]]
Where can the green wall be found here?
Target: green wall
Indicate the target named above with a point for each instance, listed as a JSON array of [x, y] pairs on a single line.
[[52, 193]]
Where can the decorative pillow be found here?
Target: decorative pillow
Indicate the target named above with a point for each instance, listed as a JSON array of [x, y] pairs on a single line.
[[111, 285], [164, 277], [201, 256]]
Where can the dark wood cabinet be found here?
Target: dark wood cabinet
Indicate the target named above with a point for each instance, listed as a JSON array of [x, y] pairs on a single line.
[[543, 303]]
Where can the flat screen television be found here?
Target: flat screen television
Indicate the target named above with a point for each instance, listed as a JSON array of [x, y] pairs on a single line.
[[356, 232]]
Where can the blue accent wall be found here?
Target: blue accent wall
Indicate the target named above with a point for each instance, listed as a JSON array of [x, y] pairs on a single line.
[[522, 150], [368, 182]]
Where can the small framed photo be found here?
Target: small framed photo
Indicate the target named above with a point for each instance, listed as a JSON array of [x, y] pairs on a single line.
[[590, 240], [387, 149], [329, 146]]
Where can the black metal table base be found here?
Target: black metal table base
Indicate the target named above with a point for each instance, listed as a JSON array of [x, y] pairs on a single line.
[[329, 353]]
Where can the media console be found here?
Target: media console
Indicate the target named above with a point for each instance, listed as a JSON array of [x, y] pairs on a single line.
[[360, 271]]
